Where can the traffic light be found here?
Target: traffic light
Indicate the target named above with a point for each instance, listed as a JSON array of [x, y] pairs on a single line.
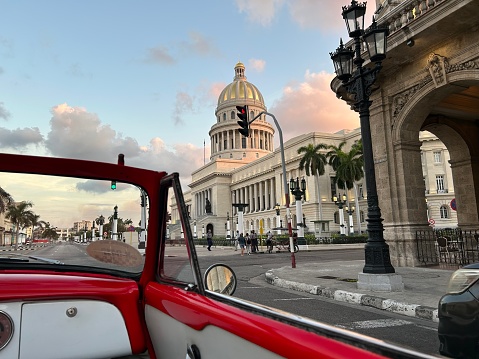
[[243, 116], [113, 184]]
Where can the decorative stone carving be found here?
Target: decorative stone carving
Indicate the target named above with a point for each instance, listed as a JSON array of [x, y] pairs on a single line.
[[436, 65], [437, 68]]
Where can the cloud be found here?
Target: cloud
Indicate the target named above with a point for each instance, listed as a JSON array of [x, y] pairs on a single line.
[[183, 103], [312, 106], [3, 112], [257, 64], [261, 12], [197, 45], [20, 138], [76, 133], [324, 14], [94, 186], [160, 55]]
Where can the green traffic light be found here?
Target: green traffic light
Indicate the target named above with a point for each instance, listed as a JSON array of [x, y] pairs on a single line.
[[113, 184]]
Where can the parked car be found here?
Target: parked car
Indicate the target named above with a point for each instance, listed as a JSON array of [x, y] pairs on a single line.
[[458, 313], [106, 300]]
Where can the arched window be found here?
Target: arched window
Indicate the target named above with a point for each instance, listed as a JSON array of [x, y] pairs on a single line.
[[444, 211], [233, 115], [336, 217]]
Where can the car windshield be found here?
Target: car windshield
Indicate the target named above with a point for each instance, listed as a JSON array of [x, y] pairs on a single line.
[[61, 221]]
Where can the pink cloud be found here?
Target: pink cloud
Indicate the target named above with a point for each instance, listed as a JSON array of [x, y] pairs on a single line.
[[312, 106]]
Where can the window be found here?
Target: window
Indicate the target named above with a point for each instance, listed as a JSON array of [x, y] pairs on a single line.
[[225, 144], [361, 216], [333, 187], [360, 191], [336, 217], [444, 211], [440, 183], [233, 115], [243, 142], [437, 157], [224, 117]]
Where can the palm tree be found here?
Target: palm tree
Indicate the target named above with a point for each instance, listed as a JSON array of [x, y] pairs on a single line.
[[20, 216], [36, 222], [49, 232], [5, 200], [313, 163], [348, 167]]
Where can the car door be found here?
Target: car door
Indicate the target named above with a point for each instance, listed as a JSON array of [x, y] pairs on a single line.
[[185, 320]]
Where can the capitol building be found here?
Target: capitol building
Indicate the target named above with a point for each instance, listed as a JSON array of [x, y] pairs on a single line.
[[249, 171]]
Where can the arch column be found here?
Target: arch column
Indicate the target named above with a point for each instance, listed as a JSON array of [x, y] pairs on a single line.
[[466, 192]]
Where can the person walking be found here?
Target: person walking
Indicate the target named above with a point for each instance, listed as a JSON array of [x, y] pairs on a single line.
[[248, 243], [254, 242], [209, 239], [269, 242], [236, 240], [241, 243]]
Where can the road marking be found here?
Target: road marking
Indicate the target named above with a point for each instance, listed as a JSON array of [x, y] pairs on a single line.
[[293, 299], [371, 324]]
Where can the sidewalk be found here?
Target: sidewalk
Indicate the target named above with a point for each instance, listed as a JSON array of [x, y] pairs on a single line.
[[423, 287]]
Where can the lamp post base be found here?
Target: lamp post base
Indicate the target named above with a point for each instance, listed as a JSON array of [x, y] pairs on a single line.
[[377, 258], [391, 282]]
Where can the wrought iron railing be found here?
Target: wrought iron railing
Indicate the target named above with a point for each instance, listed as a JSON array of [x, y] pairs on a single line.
[[458, 247]]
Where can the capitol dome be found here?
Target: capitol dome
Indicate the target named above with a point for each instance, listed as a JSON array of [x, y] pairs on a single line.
[[240, 89], [226, 140]]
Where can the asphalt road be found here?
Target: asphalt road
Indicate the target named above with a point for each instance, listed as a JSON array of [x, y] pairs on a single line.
[[417, 334]]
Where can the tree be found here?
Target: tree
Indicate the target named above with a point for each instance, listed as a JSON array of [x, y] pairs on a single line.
[[36, 222], [313, 163], [349, 168], [5, 200], [49, 232], [21, 216]]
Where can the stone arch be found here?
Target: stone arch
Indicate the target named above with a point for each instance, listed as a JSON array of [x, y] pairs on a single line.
[[426, 106], [425, 111]]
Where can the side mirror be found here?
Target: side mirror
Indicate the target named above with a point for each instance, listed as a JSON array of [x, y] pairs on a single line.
[[220, 278]]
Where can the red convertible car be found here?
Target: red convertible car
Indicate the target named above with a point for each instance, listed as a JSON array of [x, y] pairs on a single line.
[[92, 294]]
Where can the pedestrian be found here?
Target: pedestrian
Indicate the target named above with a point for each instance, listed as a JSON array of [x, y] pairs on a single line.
[[241, 242], [209, 239], [269, 242], [248, 243], [254, 242], [236, 240]]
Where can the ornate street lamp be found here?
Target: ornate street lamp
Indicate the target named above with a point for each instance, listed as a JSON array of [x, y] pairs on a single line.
[[299, 190], [358, 83], [350, 212], [228, 226], [115, 223], [340, 202]]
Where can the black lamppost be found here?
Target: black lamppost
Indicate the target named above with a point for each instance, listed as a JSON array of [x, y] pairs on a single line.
[[340, 202], [358, 84], [299, 191]]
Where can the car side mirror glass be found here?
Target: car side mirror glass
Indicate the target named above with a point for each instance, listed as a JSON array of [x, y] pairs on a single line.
[[220, 278]]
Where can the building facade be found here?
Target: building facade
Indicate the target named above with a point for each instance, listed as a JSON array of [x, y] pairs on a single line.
[[248, 171]]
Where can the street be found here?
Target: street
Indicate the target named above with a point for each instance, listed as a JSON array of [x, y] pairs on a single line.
[[417, 334]]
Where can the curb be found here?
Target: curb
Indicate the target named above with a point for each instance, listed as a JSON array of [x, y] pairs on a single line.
[[410, 310]]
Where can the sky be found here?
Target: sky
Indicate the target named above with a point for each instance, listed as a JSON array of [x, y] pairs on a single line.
[[91, 79]]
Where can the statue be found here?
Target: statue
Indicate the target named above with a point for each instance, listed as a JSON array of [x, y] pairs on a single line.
[[208, 206]]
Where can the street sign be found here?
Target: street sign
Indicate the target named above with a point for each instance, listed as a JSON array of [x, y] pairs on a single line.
[[453, 204], [432, 221]]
